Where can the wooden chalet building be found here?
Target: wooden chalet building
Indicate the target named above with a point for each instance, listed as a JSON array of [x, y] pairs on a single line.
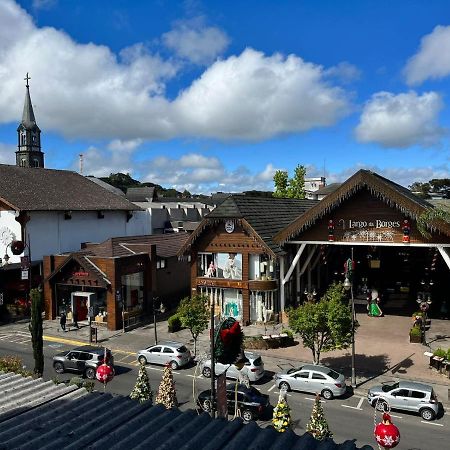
[[287, 250]]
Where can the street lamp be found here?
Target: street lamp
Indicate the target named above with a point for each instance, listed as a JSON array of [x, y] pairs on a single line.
[[348, 286], [424, 302], [161, 310], [310, 295]]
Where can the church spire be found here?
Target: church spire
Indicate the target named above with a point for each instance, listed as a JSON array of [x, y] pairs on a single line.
[[29, 152]]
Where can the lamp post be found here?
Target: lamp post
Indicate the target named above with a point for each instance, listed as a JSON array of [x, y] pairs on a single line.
[[310, 295], [161, 310], [348, 285], [424, 301]]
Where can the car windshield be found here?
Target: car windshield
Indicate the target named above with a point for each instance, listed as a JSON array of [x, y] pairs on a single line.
[[389, 387], [294, 370], [333, 374], [182, 349]]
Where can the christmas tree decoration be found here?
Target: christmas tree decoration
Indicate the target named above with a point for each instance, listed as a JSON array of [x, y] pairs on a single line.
[[167, 395], [281, 420], [386, 433], [142, 391], [318, 425], [331, 230], [228, 341]]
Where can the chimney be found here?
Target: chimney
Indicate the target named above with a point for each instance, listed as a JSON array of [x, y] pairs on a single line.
[[81, 163]]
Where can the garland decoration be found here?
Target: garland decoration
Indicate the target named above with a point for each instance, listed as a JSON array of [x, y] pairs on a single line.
[[228, 341]]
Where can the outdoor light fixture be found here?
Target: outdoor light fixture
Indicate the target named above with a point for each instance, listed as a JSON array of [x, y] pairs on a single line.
[[347, 285]]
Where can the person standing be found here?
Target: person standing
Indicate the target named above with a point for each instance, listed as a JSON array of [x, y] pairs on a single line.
[[75, 319], [62, 321]]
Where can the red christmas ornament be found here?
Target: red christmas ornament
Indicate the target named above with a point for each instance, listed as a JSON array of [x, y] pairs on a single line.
[[331, 230], [406, 231], [386, 433], [104, 373]]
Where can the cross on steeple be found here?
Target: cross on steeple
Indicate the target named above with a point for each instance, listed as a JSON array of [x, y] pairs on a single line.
[[26, 79]]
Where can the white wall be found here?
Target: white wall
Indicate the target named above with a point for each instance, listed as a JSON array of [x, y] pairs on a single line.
[[7, 220]]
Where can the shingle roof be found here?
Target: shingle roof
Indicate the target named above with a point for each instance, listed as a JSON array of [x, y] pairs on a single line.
[[29, 189], [37, 414], [107, 186], [265, 216], [141, 194], [167, 245], [328, 189], [392, 193]]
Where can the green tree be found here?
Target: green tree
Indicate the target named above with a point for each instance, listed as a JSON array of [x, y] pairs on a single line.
[[429, 217], [296, 186], [142, 391], [193, 313], [318, 425], [36, 330], [280, 180], [324, 325]]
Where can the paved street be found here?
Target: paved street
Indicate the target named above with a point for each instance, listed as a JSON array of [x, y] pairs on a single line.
[[348, 416]]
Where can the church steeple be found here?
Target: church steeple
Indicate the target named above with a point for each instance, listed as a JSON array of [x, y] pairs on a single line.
[[29, 152]]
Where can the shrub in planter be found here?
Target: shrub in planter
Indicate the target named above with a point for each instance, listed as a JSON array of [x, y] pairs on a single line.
[[174, 323], [255, 343], [438, 356], [287, 337], [415, 335]]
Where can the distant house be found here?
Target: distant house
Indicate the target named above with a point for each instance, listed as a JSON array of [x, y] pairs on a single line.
[[321, 193]]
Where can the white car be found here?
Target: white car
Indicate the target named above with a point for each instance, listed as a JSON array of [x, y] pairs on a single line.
[[254, 369], [174, 353]]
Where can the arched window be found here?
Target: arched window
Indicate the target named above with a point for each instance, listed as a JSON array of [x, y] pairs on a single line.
[[23, 162], [23, 138], [35, 163]]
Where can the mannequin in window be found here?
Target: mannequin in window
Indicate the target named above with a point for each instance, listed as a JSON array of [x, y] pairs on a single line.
[[232, 268], [211, 272]]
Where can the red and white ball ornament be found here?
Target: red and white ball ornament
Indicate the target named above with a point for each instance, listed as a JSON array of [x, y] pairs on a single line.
[[104, 373], [386, 433]]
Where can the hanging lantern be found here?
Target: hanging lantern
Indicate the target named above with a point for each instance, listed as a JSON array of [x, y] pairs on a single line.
[[104, 373], [331, 230], [386, 433], [406, 231], [17, 247]]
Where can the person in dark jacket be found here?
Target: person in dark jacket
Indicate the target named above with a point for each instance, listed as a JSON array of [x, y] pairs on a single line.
[[62, 321], [75, 320]]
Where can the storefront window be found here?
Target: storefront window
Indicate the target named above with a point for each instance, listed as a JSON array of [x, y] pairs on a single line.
[[220, 265], [133, 291], [262, 305], [261, 268]]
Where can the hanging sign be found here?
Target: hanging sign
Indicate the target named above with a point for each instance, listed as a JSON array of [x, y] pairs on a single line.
[[24, 262], [25, 274]]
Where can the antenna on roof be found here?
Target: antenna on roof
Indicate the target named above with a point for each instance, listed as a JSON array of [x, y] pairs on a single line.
[[81, 163], [324, 173]]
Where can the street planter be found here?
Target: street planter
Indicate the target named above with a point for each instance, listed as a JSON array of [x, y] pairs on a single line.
[[415, 335], [436, 362]]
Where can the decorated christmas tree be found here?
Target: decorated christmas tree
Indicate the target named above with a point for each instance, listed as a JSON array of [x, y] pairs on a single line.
[[281, 420], [166, 392], [318, 425], [142, 391]]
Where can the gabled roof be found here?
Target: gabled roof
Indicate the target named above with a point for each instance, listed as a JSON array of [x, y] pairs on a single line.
[[141, 194], [42, 415], [391, 193], [106, 186], [28, 189], [167, 245], [328, 189], [262, 217]]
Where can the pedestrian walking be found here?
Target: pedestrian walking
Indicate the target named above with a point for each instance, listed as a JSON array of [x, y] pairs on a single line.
[[75, 320], [62, 321]]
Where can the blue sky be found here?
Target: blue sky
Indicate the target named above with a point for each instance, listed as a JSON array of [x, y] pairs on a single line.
[[217, 95]]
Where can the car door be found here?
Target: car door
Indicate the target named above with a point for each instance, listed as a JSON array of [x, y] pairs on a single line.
[[416, 400], [154, 354], [399, 398], [317, 382], [73, 361], [300, 381], [167, 355]]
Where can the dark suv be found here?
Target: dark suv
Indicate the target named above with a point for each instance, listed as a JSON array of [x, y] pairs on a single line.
[[84, 360], [251, 403]]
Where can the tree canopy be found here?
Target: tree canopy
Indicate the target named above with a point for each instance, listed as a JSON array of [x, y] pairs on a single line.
[[286, 187], [324, 325]]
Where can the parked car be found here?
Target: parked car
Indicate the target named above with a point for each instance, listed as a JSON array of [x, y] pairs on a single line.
[[254, 368], [251, 403], [84, 360], [312, 378], [169, 352], [407, 396]]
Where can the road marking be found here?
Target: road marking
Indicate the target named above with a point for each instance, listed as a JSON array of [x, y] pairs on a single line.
[[277, 392], [432, 423], [351, 407], [361, 402], [273, 387], [397, 417], [313, 399]]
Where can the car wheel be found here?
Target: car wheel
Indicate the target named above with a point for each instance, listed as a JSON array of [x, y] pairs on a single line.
[[59, 367], [327, 394], [284, 386], [206, 405], [142, 360], [247, 415], [427, 414], [174, 365], [206, 372], [381, 405], [90, 373]]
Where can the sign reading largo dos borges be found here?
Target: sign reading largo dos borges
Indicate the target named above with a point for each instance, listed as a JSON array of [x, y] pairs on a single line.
[[369, 230]]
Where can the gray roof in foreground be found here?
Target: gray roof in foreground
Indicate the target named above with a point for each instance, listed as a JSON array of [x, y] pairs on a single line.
[[38, 189], [41, 415]]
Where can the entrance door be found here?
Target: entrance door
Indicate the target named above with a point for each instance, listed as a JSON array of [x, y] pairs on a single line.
[[81, 307]]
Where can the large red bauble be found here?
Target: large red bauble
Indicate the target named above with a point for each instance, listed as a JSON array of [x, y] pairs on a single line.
[[387, 435], [104, 373]]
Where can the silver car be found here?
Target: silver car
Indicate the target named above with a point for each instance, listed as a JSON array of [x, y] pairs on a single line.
[[254, 368], [405, 395], [314, 379], [174, 353]]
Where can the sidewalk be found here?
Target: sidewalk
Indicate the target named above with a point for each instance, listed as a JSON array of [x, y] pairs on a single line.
[[382, 349]]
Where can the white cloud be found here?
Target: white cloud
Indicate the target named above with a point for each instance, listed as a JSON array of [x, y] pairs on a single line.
[[87, 91], [345, 72], [194, 41], [432, 61], [126, 146], [253, 96], [44, 4], [7, 154], [401, 120]]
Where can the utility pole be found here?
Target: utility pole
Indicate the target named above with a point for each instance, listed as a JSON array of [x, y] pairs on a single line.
[[213, 366]]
